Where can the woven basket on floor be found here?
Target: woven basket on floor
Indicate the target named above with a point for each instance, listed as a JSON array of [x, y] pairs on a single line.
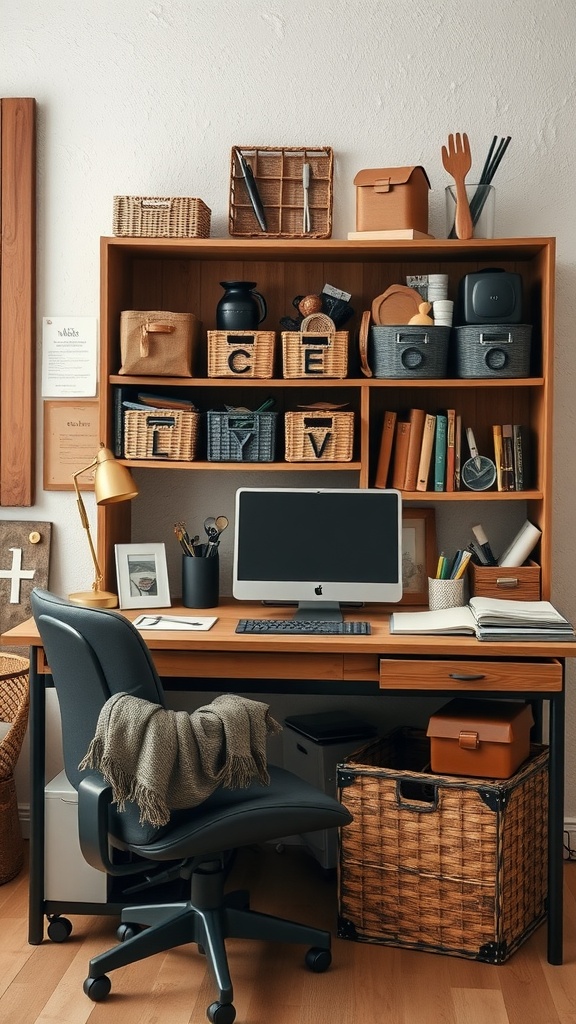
[[14, 703], [441, 863]]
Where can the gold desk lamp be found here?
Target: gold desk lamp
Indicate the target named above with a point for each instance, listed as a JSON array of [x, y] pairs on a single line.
[[112, 482]]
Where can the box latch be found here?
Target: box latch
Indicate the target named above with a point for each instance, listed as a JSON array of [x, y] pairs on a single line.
[[382, 185], [468, 740]]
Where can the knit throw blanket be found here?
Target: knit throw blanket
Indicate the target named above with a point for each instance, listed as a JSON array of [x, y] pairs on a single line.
[[165, 760]]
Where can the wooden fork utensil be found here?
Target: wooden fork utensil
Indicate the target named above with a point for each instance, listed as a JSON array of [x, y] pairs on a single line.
[[457, 161]]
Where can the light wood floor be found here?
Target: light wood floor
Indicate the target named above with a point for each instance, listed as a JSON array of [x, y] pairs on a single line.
[[367, 984]]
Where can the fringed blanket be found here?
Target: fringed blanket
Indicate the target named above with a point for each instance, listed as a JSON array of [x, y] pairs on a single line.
[[166, 760]]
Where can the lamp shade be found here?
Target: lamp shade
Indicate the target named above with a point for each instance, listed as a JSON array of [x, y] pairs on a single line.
[[112, 481]]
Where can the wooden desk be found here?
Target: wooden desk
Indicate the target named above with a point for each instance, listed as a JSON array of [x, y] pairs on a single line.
[[378, 663]]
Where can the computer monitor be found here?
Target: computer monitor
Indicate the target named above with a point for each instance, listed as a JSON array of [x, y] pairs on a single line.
[[318, 547]]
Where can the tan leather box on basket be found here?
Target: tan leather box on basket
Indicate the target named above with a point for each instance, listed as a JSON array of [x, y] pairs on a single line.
[[485, 739], [388, 198], [156, 343]]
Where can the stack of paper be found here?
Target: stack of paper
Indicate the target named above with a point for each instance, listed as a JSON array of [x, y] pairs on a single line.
[[488, 619]]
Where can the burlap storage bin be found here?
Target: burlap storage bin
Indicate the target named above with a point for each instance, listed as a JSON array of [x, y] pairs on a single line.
[[441, 863], [157, 343], [14, 704]]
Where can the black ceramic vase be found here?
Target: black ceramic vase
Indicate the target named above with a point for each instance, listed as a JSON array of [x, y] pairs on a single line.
[[240, 308]]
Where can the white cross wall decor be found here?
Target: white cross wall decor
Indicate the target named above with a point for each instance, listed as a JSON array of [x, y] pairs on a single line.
[[15, 574]]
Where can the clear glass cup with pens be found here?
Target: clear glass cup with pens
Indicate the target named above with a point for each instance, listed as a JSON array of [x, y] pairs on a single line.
[[200, 563]]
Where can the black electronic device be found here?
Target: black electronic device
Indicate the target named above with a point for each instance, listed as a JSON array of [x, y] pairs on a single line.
[[490, 296]]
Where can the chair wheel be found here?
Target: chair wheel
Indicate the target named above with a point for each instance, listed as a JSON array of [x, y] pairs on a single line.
[[97, 988], [318, 960], [127, 931], [59, 929], [221, 1013]]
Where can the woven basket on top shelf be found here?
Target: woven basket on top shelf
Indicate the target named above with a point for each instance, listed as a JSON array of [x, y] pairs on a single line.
[[14, 704], [160, 217]]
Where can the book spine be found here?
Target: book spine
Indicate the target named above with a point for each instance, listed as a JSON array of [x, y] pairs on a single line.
[[118, 411], [440, 452], [400, 454], [450, 448], [426, 452], [417, 419], [508, 482], [458, 454], [519, 445], [497, 435], [386, 442]]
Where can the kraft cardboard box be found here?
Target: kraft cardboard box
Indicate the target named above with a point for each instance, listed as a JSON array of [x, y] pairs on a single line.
[[389, 198], [485, 739]]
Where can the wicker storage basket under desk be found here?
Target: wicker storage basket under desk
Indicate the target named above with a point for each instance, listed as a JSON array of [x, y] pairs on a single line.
[[441, 863], [170, 434], [14, 704], [160, 217]]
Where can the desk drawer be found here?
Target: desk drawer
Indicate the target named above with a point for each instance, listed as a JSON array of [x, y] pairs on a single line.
[[469, 674]]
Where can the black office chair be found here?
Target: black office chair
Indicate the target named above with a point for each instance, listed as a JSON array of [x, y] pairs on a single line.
[[93, 654]]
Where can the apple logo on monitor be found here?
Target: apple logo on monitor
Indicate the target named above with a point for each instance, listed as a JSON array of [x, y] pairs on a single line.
[[318, 590]]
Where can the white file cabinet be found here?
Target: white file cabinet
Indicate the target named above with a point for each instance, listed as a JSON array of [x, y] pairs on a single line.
[[67, 876]]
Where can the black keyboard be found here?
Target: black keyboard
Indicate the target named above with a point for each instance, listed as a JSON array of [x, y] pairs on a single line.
[[303, 626]]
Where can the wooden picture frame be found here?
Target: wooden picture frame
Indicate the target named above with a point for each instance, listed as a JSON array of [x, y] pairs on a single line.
[[142, 575], [418, 553]]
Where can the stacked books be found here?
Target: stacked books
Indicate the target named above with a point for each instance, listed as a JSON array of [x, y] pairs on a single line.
[[489, 619], [511, 456], [420, 451]]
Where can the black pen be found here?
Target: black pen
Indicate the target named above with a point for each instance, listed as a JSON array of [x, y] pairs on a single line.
[[483, 543], [252, 189]]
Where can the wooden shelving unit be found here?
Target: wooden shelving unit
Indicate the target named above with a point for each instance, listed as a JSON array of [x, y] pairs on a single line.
[[185, 274]]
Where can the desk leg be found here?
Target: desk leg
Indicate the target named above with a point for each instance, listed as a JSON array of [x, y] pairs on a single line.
[[37, 782], [556, 830]]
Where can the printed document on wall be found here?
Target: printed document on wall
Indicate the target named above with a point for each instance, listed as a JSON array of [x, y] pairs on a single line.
[[69, 356]]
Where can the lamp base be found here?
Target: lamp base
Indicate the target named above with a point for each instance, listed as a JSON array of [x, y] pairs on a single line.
[[95, 599]]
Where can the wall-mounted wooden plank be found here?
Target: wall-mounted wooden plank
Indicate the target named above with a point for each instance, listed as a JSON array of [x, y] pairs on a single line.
[[17, 301]]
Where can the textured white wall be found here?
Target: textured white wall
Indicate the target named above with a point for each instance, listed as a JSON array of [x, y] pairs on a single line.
[[139, 97]]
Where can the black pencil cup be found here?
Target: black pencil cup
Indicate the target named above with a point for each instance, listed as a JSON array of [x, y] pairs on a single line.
[[200, 581]]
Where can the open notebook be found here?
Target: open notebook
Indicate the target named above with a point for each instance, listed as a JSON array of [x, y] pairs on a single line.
[[488, 619]]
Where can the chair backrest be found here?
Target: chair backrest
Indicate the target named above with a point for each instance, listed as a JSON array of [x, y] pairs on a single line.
[[93, 653]]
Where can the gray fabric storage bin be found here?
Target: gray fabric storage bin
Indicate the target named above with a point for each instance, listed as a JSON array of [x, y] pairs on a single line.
[[241, 436], [409, 350], [492, 350]]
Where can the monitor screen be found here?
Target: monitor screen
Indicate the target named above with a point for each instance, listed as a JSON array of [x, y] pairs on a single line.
[[318, 547]]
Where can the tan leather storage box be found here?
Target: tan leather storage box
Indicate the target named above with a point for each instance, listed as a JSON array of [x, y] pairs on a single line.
[[486, 739], [388, 198]]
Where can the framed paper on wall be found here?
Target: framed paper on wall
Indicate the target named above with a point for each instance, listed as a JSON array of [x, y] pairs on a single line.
[[418, 553], [142, 575]]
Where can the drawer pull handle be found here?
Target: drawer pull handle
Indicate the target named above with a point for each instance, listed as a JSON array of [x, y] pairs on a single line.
[[464, 678]]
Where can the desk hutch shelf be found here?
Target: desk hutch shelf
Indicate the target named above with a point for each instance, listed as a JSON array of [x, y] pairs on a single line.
[[184, 275]]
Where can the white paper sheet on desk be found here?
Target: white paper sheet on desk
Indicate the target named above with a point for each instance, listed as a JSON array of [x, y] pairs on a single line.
[[163, 622]]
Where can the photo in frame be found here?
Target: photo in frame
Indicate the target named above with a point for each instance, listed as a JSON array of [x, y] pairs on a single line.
[[142, 575], [418, 553]]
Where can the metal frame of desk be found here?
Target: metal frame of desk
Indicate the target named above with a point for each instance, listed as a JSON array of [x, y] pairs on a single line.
[[378, 663]]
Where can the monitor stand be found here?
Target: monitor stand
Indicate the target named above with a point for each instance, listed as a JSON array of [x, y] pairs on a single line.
[[328, 611]]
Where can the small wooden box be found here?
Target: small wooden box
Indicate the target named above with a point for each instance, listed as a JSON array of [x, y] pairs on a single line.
[[518, 584], [481, 738], [314, 354], [241, 354], [319, 436], [389, 198]]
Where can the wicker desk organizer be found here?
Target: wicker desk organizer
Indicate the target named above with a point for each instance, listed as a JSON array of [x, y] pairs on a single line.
[[441, 863], [278, 175], [170, 434], [241, 354], [241, 436], [314, 354], [319, 436], [160, 217]]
